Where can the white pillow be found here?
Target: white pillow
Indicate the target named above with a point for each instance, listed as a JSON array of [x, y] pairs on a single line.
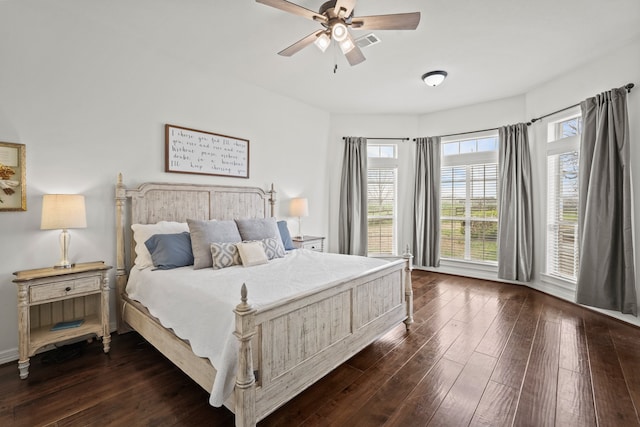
[[252, 253], [142, 232]]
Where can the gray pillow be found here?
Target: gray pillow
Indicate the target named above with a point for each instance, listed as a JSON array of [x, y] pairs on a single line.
[[170, 250], [259, 229], [203, 233], [273, 248], [224, 255]]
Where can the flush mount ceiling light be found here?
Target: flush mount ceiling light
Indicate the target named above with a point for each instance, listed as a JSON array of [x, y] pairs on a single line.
[[434, 78]]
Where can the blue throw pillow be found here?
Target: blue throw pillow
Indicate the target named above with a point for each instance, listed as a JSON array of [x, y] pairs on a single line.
[[285, 235], [170, 250]]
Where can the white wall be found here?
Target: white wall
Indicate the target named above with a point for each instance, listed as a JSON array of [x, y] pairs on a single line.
[[89, 107]]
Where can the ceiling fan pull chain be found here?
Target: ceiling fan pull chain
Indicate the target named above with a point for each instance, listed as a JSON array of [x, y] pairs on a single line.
[[335, 68]]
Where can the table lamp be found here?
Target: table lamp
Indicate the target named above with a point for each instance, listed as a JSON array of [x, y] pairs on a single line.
[[61, 212], [299, 207]]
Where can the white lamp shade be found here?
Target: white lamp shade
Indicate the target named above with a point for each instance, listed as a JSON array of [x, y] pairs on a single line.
[[299, 207], [62, 211]]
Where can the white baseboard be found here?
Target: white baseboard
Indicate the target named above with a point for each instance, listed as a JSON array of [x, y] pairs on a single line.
[[10, 355], [546, 286]]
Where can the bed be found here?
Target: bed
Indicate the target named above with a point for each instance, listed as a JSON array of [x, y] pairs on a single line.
[[356, 310]]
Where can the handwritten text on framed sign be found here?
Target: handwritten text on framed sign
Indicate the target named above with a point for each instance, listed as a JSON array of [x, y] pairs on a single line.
[[205, 153]]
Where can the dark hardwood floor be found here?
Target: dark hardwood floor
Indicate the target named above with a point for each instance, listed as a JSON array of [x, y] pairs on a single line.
[[480, 354]]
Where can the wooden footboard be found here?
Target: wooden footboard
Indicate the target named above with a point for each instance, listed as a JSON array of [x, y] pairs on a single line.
[[303, 340]]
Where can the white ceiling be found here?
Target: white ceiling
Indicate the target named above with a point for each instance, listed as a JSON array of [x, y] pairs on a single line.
[[491, 48]]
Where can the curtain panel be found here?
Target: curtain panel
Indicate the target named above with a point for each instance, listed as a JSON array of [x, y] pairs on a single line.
[[426, 203], [606, 276], [352, 227], [515, 204]]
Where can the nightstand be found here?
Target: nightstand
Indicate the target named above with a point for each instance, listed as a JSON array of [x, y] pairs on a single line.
[[47, 296], [314, 243]]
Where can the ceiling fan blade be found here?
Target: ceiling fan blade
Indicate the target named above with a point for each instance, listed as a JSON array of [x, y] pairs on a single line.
[[300, 44], [344, 6], [398, 21], [354, 56], [295, 9]]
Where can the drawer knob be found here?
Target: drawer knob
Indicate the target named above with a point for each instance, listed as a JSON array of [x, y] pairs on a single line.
[[67, 289]]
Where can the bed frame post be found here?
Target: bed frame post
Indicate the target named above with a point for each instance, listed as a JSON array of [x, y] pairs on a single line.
[[245, 391], [408, 288], [121, 272], [272, 200]]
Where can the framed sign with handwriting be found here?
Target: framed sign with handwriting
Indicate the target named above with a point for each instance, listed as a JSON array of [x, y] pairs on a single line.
[[205, 153]]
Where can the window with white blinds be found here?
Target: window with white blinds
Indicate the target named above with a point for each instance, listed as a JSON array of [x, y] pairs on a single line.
[[382, 178], [468, 200], [563, 157]]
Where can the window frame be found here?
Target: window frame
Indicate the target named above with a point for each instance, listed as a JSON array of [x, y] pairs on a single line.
[[390, 163], [556, 145], [468, 160]]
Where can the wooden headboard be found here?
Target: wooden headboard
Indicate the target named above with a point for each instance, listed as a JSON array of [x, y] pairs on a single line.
[[151, 202]]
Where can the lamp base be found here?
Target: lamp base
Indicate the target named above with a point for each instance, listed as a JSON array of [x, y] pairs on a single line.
[[65, 238], [60, 265]]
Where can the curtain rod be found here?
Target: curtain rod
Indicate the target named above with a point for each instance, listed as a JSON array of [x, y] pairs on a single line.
[[628, 87], [465, 133], [371, 137]]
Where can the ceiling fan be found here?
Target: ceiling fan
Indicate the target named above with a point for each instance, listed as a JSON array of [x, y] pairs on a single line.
[[336, 16]]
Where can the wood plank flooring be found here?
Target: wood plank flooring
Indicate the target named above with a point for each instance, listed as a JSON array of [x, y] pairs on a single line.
[[479, 354]]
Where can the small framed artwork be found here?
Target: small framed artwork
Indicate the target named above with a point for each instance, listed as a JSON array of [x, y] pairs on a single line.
[[205, 153], [13, 177]]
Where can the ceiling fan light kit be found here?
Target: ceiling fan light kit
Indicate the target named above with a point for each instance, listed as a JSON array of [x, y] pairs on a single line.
[[346, 46], [322, 42], [339, 31], [336, 16], [434, 78]]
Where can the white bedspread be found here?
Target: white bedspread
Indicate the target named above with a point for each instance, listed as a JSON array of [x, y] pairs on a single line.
[[198, 304]]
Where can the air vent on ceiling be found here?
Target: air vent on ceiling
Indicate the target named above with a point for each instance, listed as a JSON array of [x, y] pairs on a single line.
[[367, 40]]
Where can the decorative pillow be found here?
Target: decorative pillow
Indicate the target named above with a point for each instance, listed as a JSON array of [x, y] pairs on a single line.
[[170, 250], [142, 233], [203, 233], [285, 235], [258, 229], [224, 255], [252, 253], [272, 248]]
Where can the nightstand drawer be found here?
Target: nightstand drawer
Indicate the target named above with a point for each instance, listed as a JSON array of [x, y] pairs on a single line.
[[61, 289], [313, 246], [312, 243]]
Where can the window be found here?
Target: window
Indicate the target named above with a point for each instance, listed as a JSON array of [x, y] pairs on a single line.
[[563, 146], [382, 178], [468, 199]]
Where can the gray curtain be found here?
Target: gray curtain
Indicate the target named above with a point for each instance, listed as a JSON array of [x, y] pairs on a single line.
[[606, 276], [426, 203], [515, 206], [352, 229]]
